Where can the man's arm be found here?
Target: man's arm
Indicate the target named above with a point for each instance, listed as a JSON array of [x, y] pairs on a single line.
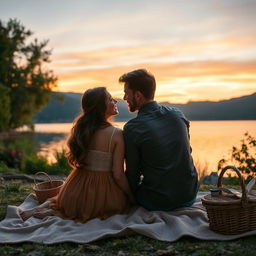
[[132, 160]]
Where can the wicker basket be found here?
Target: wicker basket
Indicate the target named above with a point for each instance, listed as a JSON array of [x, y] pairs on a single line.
[[228, 214], [47, 189]]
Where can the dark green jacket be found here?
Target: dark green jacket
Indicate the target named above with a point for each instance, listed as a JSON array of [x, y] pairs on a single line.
[[159, 165]]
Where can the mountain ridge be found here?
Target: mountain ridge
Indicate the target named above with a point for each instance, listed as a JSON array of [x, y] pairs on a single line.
[[239, 108]]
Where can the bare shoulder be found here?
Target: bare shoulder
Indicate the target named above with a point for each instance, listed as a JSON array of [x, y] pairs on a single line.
[[118, 131], [106, 130], [118, 134]]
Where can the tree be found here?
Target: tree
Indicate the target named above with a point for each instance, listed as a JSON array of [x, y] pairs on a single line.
[[23, 72], [5, 113], [244, 158]]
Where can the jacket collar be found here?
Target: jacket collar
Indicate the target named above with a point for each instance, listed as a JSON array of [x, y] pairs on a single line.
[[148, 107]]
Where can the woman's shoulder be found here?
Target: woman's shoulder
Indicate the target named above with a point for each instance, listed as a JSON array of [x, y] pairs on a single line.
[[112, 130], [118, 130], [117, 133]]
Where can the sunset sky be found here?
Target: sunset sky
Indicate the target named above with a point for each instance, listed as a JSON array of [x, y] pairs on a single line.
[[197, 50]]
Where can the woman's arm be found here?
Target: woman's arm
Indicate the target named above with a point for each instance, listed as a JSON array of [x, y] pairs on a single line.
[[118, 165]]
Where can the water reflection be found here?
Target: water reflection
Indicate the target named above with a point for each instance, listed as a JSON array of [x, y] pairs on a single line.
[[49, 143], [210, 140], [213, 140]]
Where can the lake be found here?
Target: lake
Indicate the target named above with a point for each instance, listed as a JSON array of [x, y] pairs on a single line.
[[210, 140]]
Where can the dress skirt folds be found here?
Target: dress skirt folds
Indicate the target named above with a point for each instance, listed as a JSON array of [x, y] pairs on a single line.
[[89, 194]]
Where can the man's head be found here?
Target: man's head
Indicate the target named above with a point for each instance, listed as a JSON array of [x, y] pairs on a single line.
[[139, 88]]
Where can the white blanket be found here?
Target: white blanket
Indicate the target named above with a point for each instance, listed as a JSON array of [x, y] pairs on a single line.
[[164, 226]]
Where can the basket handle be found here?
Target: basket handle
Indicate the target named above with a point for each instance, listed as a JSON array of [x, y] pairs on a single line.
[[45, 175], [241, 180]]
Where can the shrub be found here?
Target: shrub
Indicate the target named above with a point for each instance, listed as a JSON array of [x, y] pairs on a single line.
[[11, 158], [18, 153], [62, 161], [35, 164], [244, 157]]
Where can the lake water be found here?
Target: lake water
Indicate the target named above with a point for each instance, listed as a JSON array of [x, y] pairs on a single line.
[[210, 140]]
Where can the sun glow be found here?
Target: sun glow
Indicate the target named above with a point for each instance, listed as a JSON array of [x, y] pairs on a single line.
[[197, 50]]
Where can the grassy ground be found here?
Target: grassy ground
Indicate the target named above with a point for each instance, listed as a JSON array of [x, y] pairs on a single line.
[[14, 192]]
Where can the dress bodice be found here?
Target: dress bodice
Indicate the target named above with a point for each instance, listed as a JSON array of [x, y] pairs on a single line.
[[98, 161]]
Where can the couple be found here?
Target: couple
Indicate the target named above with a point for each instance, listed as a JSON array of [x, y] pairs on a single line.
[[160, 174]]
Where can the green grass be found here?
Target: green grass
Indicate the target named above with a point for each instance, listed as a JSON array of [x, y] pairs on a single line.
[[14, 193]]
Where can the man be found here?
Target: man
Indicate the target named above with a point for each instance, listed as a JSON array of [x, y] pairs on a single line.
[[159, 166]]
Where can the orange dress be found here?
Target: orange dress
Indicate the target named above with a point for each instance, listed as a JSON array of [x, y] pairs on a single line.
[[91, 192]]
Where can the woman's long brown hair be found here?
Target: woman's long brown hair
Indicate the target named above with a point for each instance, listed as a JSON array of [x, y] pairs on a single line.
[[92, 118]]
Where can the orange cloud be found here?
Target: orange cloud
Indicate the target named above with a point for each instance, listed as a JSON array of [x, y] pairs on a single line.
[[218, 79], [177, 66], [169, 71], [175, 51]]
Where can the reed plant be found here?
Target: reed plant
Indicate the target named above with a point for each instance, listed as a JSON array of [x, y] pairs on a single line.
[[202, 169]]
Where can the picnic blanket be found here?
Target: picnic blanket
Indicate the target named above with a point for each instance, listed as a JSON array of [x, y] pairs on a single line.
[[165, 226]]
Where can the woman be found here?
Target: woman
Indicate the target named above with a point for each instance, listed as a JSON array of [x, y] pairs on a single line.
[[97, 187]]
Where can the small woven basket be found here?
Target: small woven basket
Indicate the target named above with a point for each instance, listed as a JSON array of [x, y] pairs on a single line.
[[227, 213], [47, 189]]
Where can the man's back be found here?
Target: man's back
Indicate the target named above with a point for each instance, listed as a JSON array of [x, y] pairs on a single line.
[[157, 147]]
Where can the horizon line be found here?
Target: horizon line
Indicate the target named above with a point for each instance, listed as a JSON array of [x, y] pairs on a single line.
[[190, 101]]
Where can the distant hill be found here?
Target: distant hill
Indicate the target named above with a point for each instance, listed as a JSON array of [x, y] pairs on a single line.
[[65, 110], [242, 108], [64, 107]]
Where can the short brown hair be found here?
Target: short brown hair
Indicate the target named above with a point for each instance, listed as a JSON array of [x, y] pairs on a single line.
[[140, 80]]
